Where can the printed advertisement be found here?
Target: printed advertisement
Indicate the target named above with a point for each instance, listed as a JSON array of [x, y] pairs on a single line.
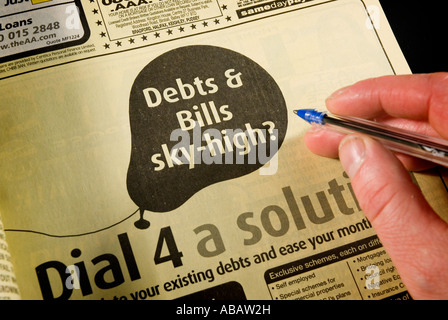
[[149, 151]]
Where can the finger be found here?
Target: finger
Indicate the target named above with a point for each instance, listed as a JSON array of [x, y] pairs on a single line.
[[417, 97], [411, 232], [414, 164], [325, 143], [416, 126]]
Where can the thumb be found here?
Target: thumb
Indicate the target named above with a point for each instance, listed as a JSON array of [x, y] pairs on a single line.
[[412, 233]]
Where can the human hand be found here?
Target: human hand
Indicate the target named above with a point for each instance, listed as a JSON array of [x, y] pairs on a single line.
[[414, 236]]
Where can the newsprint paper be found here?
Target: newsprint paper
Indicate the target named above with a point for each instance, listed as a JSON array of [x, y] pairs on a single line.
[[148, 150]]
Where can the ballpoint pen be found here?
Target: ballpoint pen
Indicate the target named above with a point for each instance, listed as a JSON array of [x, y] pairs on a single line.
[[398, 140]]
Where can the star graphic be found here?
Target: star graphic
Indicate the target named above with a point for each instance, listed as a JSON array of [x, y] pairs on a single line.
[[229, 18], [224, 7], [95, 11], [118, 43], [157, 35], [181, 29], [106, 46], [99, 23], [144, 38], [103, 34], [216, 21], [205, 24], [131, 40], [169, 31], [193, 26]]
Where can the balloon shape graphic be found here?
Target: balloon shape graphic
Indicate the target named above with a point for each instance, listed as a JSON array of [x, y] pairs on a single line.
[[199, 115]]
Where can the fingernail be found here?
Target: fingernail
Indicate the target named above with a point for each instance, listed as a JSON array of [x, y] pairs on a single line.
[[338, 93], [315, 129], [352, 151]]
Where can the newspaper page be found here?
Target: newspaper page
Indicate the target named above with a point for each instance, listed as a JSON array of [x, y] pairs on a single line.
[[149, 150], [8, 283]]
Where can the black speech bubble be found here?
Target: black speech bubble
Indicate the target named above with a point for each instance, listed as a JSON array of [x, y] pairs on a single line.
[[231, 92]]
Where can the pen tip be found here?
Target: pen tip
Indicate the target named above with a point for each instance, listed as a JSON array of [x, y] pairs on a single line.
[[310, 115]]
